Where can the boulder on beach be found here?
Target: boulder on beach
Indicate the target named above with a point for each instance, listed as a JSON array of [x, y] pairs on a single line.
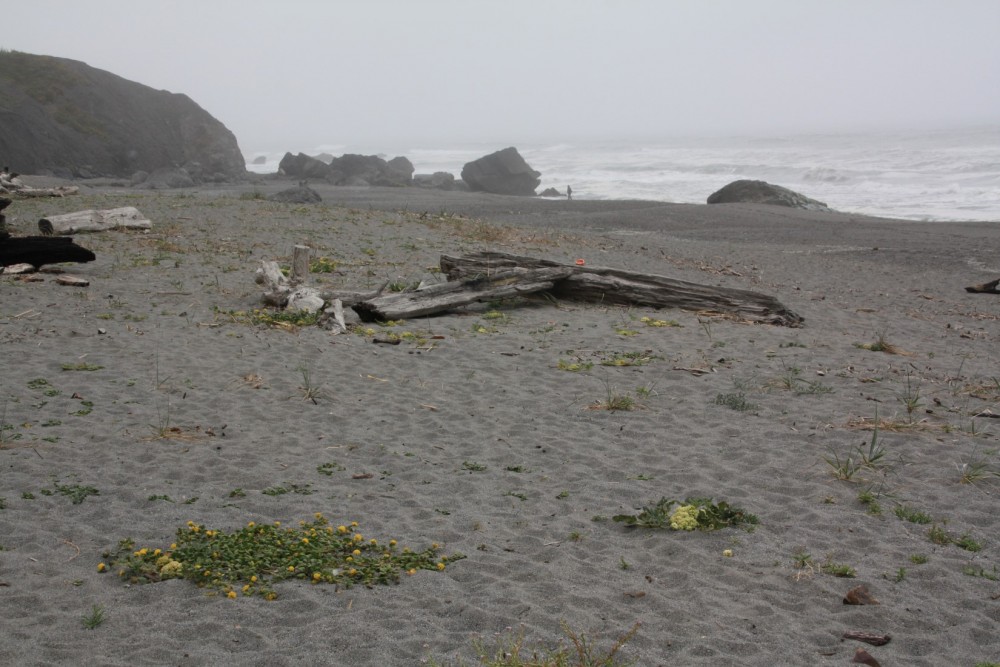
[[352, 169], [504, 173], [301, 194], [166, 178], [439, 180], [760, 192], [303, 166], [349, 169]]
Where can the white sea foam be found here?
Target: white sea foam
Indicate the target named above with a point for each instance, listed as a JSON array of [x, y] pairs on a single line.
[[953, 175]]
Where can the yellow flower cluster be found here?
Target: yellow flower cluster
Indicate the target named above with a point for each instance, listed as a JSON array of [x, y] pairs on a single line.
[[684, 517], [169, 567], [650, 322]]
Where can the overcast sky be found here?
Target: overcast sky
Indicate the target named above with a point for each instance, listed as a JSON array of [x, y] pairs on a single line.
[[295, 74]]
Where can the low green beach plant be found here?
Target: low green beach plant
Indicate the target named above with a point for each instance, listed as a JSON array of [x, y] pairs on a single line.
[[735, 401], [880, 344], [691, 514], [94, 619], [838, 570], [252, 559], [614, 400], [628, 358], [509, 650]]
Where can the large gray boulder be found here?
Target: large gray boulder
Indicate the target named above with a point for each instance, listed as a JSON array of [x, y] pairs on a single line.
[[760, 192], [439, 180], [352, 169], [303, 166], [399, 171], [165, 179], [60, 116], [302, 194], [504, 173], [349, 169]]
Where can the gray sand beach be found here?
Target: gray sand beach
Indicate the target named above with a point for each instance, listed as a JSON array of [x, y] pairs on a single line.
[[486, 432]]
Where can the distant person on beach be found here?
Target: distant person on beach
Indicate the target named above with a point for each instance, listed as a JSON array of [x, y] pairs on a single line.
[[569, 192]]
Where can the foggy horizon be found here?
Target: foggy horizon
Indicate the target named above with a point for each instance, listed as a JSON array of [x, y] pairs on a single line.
[[442, 72]]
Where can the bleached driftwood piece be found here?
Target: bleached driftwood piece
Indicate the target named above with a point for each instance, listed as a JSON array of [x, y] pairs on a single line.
[[516, 281], [127, 217], [304, 298], [274, 281], [284, 293], [333, 317], [58, 191], [615, 286]]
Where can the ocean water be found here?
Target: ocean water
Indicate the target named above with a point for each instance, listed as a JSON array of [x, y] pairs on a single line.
[[932, 176]]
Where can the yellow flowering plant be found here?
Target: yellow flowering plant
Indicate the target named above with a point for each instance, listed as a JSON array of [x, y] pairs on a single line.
[[253, 558], [692, 514]]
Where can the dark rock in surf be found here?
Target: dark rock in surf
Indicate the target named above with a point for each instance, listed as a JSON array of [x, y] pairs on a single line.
[[551, 192], [759, 192], [504, 173]]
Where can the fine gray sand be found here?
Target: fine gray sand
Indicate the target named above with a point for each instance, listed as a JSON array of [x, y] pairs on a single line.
[[474, 437]]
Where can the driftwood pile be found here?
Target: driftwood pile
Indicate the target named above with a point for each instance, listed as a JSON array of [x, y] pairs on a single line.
[[36, 251], [489, 276], [11, 184]]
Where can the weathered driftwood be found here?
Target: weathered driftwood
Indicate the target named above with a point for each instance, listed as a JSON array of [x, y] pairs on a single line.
[[39, 250], [300, 263], [615, 286], [436, 298], [127, 217], [985, 288], [59, 191]]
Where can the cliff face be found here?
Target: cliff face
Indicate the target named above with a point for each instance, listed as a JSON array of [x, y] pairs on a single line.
[[64, 117]]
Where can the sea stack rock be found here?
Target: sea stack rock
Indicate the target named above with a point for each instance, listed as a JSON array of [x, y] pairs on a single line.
[[759, 192], [504, 173]]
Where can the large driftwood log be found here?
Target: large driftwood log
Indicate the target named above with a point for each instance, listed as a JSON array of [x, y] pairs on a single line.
[[615, 286], [127, 217], [432, 299], [39, 250]]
